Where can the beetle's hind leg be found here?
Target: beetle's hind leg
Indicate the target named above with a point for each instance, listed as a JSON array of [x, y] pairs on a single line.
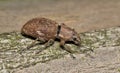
[[32, 44], [47, 44]]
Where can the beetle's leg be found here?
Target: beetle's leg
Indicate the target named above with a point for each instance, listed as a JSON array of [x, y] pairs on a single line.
[[29, 46], [48, 44], [32, 44], [62, 45]]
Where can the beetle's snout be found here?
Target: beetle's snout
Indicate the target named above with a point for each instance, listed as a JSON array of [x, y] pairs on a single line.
[[77, 41]]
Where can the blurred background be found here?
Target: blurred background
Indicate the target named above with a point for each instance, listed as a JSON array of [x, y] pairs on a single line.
[[83, 15]]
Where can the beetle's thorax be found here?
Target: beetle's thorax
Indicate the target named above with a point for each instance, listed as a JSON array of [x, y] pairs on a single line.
[[65, 32], [68, 34]]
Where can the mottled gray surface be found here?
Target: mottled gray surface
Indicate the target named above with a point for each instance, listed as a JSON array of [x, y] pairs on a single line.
[[105, 60]]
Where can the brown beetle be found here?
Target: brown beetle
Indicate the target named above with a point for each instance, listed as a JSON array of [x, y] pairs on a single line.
[[47, 30]]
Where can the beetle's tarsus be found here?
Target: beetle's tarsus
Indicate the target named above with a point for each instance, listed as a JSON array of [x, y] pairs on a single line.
[[73, 57]]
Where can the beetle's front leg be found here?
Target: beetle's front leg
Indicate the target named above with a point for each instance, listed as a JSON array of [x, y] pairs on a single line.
[[62, 45]]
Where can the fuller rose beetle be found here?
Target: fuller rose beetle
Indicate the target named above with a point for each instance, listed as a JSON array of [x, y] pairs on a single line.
[[47, 30]]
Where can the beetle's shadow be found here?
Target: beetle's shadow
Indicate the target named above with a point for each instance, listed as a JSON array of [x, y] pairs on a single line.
[[67, 42], [26, 36]]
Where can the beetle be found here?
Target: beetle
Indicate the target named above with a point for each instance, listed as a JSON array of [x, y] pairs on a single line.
[[47, 30]]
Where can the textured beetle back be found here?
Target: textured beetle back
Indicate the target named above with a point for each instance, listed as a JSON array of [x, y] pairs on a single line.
[[40, 27]]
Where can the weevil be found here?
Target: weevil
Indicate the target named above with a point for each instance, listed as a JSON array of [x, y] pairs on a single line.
[[47, 30]]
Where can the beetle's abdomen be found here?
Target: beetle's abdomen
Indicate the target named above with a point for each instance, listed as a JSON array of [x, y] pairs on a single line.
[[40, 28]]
